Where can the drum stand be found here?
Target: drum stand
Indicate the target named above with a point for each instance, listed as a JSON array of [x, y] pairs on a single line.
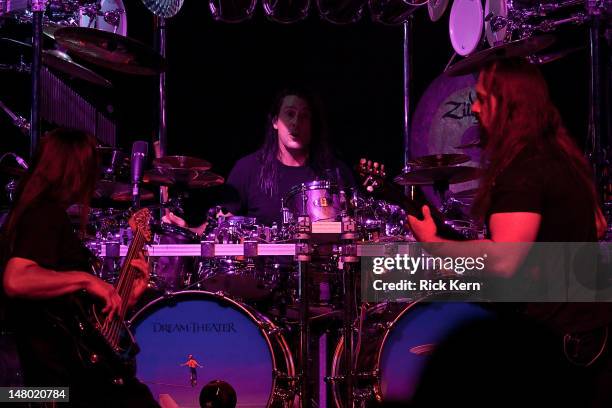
[[303, 257], [350, 262]]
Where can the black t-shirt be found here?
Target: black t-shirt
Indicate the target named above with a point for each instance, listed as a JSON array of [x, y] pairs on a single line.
[[543, 183], [44, 235], [248, 198], [47, 351]]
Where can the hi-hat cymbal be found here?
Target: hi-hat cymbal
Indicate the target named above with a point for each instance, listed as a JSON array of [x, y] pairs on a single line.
[[182, 162], [61, 62], [436, 160], [431, 175], [186, 178], [120, 192], [520, 48], [111, 51]]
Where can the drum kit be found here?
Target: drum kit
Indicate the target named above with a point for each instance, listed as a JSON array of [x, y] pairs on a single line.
[[241, 296]]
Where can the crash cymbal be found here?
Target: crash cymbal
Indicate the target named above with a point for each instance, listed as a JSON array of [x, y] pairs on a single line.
[[60, 61], [470, 145], [436, 9], [163, 8], [436, 160], [431, 175], [111, 51], [186, 178], [520, 48], [120, 192], [182, 162]]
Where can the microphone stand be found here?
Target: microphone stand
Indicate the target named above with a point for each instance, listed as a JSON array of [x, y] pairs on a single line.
[[38, 8]]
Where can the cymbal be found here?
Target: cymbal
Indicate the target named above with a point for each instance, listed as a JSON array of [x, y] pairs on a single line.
[[188, 177], [163, 8], [182, 162], [430, 175], [120, 192], [111, 51], [519, 48], [436, 9], [436, 160], [60, 61], [470, 145]]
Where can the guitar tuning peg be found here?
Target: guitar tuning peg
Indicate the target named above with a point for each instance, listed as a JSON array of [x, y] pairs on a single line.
[[382, 170], [369, 164]]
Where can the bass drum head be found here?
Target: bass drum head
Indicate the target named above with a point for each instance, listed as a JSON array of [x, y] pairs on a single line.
[[465, 26], [413, 338], [443, 121], [402, 350], [224, 337]]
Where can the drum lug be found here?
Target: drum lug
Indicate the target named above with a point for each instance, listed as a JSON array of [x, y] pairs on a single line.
[[335, 379]]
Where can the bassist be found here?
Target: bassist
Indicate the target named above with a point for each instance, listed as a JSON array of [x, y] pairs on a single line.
[[45, 273]]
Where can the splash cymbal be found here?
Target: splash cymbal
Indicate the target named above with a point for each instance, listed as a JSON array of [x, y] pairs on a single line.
[[111, 51]]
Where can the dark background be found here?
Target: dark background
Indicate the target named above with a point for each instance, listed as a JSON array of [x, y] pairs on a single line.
[[222, 77]]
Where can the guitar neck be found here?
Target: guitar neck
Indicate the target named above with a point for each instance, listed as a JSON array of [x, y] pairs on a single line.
[[128, 273], [413, 203]]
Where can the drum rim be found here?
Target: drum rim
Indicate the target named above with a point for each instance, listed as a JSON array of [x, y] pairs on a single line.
[[453, 24], [266, 327], [312, 185]]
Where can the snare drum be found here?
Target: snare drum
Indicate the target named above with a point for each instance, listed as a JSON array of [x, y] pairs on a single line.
[[232, 342], [321, 200]]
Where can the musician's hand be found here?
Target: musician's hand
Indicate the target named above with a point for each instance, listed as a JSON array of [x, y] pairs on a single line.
[[105, 292], [142, 280], [425, 230], [170, 218]]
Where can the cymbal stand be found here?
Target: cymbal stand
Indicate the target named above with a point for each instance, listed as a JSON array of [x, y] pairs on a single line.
[[303, 257], [350, 261], [38, 8]]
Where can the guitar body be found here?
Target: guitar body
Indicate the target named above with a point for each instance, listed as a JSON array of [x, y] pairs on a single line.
[[106, 349], [80, 320]]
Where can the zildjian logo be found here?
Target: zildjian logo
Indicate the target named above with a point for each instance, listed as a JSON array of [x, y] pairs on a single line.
[[460, 110]]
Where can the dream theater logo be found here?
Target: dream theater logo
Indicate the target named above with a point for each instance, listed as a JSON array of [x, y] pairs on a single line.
[[193, 327]]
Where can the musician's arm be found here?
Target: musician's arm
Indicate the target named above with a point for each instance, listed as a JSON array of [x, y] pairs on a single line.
[[24, 278], [512, 235]]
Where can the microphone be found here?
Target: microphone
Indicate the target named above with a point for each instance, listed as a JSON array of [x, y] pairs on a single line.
[[20, 161], [140, 150]]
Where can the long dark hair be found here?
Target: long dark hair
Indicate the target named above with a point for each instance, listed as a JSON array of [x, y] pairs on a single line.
[[64, 170], [525, 116], [319, 157]]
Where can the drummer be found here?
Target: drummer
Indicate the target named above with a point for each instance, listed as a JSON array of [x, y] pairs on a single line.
[[295, 151]]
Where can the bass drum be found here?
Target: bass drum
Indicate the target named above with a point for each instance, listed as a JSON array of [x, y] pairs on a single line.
[[396, 342], [232, 342]]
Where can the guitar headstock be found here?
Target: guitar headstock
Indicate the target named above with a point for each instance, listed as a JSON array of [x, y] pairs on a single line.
[[372, 174], [139, 221]]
